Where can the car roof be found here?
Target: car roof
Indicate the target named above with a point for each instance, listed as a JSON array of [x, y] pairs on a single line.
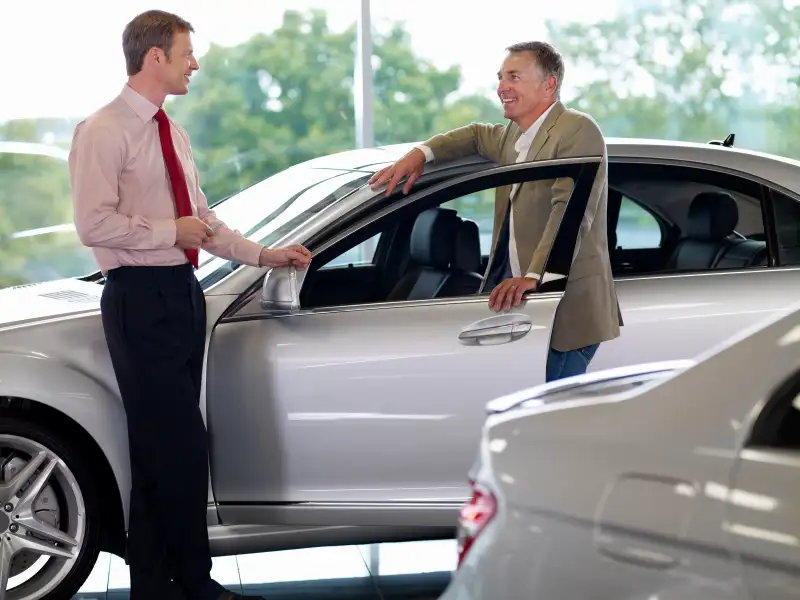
[[780, 170]]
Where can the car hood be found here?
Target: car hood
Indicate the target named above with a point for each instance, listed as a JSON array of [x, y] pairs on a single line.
[[37, 301]]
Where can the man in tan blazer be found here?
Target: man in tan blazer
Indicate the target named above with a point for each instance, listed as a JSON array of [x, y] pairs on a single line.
[[527, 216]]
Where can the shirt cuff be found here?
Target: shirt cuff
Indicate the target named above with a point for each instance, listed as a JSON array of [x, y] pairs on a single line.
[[427, 152], [547, 276], [251, 253], [229, 245], [165, 233]]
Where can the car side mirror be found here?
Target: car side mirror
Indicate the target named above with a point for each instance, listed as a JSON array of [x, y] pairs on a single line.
[[280, 292]]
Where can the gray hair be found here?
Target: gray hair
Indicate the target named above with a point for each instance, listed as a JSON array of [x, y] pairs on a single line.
[[546, 57], [153, 28]]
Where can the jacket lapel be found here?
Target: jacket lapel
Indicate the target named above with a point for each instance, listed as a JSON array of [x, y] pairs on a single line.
[[541, 138], [544, 131]]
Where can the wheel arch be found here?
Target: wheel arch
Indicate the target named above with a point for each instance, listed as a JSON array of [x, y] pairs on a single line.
[[41, 389]]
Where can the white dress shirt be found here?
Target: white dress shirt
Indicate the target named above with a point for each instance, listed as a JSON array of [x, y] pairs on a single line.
[[522, 145]]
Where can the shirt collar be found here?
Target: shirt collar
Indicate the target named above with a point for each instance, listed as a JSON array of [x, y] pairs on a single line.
[[140, 105], [526, 139]]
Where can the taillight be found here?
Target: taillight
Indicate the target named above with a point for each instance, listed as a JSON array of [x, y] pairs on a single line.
[[474, 516]]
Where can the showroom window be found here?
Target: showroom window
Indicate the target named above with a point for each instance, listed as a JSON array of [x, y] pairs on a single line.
[[37, 238], [274, 89], [276, 85]]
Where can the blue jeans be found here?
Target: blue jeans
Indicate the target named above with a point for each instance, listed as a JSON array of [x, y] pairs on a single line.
[[561, 364], [569, 363]]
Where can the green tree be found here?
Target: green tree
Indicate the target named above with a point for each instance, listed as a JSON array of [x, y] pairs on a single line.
[[690, 70], [35, 194], [285, 97], [254, 109]]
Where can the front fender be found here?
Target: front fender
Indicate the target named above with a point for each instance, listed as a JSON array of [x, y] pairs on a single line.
[[77, 396]]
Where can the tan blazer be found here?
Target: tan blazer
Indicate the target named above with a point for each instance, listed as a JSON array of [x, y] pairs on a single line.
[[589, 312]]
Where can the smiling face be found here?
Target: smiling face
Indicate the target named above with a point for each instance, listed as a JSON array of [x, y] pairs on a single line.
[[523, 88], [174, 71], [159, 56]]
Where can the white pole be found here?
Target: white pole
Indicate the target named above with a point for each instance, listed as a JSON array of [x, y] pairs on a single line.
[[362, 92]]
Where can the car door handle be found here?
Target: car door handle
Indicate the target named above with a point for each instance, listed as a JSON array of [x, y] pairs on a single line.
[[495, 330]]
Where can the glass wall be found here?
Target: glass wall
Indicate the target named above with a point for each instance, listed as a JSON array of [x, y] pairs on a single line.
[[691, 70], [276, 87]]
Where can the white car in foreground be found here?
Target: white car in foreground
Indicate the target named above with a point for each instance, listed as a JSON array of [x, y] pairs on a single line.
[[678, 481]]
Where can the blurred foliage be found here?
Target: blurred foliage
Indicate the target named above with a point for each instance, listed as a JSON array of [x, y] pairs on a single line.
[[34, 194], [286, 97], [690, 70], [676, 69]]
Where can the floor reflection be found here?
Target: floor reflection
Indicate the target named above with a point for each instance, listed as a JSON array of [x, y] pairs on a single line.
[[400, 571]]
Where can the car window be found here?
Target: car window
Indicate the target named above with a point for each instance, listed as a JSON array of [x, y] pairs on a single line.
[[359, 255], [471, 209], [432, 247], [478, 207], [778, 424], [38, 241], [637, 227], [273, 208], [708, 220], [787, 225]]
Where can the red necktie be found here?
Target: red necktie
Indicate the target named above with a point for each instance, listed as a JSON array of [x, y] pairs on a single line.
[[177, 177]]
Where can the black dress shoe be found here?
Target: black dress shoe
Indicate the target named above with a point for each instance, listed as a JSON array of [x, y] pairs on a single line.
[[227, 595]]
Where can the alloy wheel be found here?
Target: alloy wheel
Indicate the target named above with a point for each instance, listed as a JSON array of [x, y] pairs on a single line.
[[42, 519]]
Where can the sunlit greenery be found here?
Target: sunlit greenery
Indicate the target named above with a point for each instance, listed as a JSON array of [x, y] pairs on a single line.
[[679, 69]]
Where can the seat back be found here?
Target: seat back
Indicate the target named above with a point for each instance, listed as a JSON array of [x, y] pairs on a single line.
[[708, 243], [431, 248], [465, 278]]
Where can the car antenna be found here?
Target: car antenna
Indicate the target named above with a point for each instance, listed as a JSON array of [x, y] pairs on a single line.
[[727, 142]]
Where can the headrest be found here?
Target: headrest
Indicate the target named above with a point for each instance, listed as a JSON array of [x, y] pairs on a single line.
[[712, 216], [467, 255], [433, 237]]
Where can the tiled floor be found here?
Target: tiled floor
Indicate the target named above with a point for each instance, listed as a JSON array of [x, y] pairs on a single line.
[[406, 571]]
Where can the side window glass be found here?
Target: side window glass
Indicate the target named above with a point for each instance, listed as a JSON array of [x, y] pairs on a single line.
[[787, 225], [38, 241], [637, 228], [778, 425], [360, 255], [436, 252], [679, 219], [477, 207]]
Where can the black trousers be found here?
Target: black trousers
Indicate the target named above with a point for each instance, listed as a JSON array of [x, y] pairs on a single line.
[[154, 320]]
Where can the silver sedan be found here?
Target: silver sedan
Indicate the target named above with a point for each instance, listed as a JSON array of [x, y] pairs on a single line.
[[343, 403], [676, 481]]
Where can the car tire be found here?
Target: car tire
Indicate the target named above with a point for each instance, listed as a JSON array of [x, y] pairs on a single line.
[[80, 467]]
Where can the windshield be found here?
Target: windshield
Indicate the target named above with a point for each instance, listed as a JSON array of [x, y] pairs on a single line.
[[272, 209], [38, 241]]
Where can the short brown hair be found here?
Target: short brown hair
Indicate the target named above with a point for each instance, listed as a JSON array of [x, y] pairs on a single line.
[[549, 61], [154, 28]]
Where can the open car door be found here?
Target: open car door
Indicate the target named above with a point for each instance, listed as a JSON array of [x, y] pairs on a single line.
[[357, 414]]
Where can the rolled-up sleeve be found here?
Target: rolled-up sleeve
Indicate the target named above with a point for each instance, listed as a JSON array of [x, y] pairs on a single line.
[[96, 160]]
